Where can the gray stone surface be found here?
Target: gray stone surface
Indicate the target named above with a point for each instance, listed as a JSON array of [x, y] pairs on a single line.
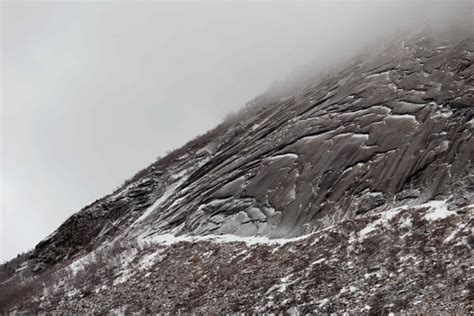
[[393, 127]]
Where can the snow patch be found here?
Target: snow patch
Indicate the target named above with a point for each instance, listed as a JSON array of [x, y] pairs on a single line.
[[405, 222], [385, 217], [358, 136], [443, 114], [384, 74], [284, 283], [169, 192], [127, 269], [401, 118], [319, 261], [292, 193], [471, 123], [80, 263], [323, 302], [438, 210], [282, 156], [280, 287], [149, 260], [454, 233]]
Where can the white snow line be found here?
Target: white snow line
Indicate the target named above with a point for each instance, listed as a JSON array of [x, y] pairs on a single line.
[[436, 210], [169, 191], [169, 239], [283, 156]]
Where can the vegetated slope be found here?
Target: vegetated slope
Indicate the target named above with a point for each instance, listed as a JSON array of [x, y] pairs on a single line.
[[372, 165], [415, 259]]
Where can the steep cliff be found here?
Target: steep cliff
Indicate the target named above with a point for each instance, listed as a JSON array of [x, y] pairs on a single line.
[[354, 193]]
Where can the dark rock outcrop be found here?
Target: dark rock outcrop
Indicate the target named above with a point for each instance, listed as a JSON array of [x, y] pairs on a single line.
[[391, 131], [388, 125], [395, 122]]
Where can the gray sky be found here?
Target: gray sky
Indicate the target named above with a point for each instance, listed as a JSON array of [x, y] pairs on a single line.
[[91, 92]]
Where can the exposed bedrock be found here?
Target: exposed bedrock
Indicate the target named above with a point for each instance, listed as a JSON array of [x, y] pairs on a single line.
[[393, 128], [387, 131]]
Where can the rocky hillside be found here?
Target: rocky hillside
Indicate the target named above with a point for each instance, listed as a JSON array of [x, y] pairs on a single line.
[[353, 194]]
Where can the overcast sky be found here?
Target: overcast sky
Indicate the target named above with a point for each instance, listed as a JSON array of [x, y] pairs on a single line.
[[94, 91]]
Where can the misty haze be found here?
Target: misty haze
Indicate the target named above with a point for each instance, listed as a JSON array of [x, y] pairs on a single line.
[[223, 157]]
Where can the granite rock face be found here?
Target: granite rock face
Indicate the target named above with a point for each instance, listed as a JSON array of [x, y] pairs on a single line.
[[391, 129]]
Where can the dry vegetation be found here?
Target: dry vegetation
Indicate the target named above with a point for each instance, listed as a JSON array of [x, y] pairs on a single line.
[[389, 270], [100, 266]]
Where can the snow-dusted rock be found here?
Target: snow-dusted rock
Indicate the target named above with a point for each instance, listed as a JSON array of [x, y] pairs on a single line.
[[353, 194]]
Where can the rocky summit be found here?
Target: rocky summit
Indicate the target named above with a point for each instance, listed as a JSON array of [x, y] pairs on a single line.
[[353, 193]]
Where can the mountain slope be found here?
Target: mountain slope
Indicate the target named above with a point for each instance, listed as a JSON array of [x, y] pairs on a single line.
[[361, 184]]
